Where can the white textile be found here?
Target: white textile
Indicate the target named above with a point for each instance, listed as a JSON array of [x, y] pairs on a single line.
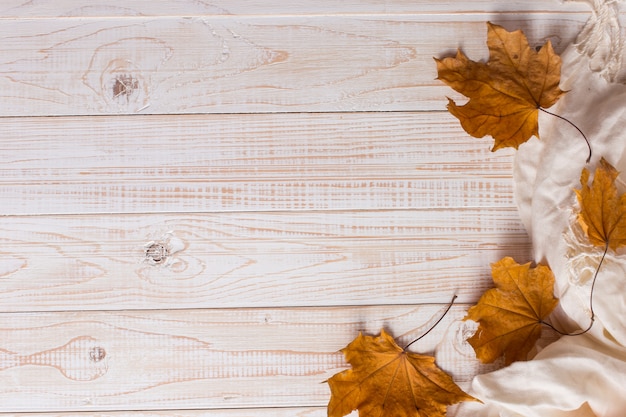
[[577, 375]]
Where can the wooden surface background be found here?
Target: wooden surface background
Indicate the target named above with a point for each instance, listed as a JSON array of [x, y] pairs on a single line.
[[202, 202]]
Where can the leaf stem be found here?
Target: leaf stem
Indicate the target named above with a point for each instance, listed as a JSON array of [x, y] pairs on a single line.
[[576, 127], [436, 323], [593, 314]]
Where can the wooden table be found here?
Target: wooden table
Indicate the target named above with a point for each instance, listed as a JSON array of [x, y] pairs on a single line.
[[202, 202]]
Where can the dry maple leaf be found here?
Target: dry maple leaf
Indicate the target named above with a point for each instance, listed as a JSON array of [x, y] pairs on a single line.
[[386, 380], [510, 315], [506, 93], [602, 211]]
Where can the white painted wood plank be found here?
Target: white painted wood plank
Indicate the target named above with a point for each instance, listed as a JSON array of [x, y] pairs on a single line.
[[198, 359], [119, 8], [453, 411], [146, 164], [246, 412], [253, 259], [458, 410], [240, 64]]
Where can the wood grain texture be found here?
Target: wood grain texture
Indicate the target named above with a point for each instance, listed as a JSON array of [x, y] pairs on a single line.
[[245, 412], [229, 191], [242, 64], [124, 8], [294, 162], [253, 259], [194, 359]]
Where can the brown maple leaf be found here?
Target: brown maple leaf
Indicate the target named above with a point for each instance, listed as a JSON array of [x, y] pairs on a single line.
[[386, 380], [510, 315], [602, 210], [506, 93]]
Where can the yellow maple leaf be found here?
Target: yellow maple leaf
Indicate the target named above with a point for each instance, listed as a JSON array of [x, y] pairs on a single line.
[[510, 315], [386, 380], [506, 93], [602, 210]]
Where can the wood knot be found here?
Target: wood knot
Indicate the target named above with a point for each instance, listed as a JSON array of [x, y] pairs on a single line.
[[157, 253], [124, 85], [97, 353]]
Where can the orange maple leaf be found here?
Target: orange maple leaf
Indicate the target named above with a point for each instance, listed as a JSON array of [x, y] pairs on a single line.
[[602, 210], [506, 93], [386, 380], [510, 315]]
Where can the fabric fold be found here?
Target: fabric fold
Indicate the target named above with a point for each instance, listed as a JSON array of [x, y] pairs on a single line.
[[577, 376]]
